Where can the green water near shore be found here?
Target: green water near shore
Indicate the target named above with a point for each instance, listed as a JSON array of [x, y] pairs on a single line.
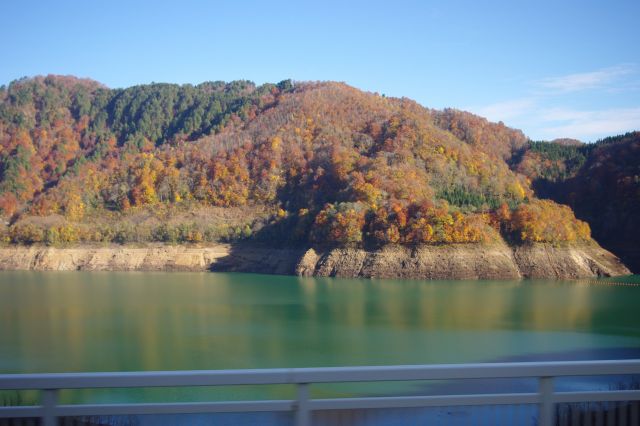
[[116, 321]]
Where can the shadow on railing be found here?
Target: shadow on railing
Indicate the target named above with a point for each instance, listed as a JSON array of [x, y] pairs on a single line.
[[546, 405]]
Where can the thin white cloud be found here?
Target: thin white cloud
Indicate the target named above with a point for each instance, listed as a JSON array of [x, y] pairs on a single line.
[[506, 110], [541, 113], [590, 124], [585, 81], [562, 114]]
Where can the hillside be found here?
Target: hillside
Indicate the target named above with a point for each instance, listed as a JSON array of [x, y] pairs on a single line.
[[601, 183], [320, 164]]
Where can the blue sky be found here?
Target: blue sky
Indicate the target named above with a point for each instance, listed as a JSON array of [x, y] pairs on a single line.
[[552, 68]]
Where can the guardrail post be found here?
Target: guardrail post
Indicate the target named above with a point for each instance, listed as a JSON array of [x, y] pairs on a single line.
[[303, 415], [49, 402], [546, 402]]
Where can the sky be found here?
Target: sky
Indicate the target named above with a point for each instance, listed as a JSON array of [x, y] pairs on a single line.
[[551, 68]]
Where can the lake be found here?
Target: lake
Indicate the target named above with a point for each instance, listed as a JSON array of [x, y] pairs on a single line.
[[118, 321]]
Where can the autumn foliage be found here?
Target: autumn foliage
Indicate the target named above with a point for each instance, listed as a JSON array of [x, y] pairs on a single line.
[[333, 164], [599, 181], [546, 221]]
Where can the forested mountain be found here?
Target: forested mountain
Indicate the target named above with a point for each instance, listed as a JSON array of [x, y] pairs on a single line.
[[600, 181], [310, 163]]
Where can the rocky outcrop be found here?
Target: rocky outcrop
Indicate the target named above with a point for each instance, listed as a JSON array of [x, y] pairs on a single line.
[[455, 261], [170, 258], [497, 261], [151, 258], [587, 260]]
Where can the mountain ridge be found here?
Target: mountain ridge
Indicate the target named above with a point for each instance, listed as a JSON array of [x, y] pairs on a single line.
[[321, 164]]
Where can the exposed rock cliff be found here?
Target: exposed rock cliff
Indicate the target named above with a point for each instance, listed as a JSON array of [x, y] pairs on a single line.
[[115, 258], [428, 262], [497, 261], [152, 258], [464, 262]]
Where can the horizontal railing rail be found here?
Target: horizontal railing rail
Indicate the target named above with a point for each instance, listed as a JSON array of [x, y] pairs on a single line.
[[302, 378]]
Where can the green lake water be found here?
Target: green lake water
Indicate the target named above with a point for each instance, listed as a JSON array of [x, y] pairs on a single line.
[[117, 321]]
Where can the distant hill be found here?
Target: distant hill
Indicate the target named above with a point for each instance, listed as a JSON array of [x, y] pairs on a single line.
[[601, 183], [567, 141], [287, 164]]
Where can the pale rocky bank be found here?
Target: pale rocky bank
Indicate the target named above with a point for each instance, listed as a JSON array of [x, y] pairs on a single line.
[[459, 261]]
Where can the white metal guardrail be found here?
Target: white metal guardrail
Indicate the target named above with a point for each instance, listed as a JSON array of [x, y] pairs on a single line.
[[545, 398]]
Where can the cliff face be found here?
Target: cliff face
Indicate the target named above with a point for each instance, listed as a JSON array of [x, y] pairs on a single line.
[[498, 261], [152, 258], [427, 262], [159, 258]]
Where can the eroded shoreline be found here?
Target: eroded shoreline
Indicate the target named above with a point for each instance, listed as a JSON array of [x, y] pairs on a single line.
[[459, 261]]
